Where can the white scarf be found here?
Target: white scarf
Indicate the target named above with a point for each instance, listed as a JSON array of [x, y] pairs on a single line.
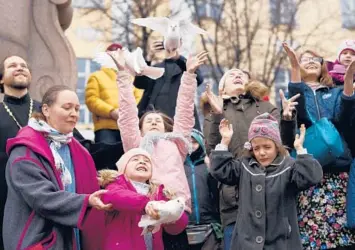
[[56, 140], [151, 138]]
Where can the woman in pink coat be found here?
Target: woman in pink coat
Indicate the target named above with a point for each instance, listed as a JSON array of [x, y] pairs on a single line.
[[129, 192]]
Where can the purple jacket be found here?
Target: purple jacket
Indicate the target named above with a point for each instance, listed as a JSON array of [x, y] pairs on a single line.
[[122, 231], [337, 72], [39, 213]]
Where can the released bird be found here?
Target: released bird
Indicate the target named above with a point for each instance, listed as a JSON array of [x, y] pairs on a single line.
[[169, 211], [131, 61], [173, 30]]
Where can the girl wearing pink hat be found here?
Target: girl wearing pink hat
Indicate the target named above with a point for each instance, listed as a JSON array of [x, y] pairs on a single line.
[[268, 180], [341, 67], [129, 191]]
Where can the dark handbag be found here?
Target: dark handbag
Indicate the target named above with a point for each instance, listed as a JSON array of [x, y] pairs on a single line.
[[197, 234]]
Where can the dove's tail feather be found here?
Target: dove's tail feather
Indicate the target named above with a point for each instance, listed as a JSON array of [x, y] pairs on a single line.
[[153, 72], [146, 221]]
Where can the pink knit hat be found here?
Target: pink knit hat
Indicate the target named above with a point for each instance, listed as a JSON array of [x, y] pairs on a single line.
[[123, 161], [265, 125], [347, 44]]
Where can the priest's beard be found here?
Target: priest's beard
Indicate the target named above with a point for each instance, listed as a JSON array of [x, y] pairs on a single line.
[[19, 85]]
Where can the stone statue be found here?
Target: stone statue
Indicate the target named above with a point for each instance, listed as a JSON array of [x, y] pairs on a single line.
[[34, 30]]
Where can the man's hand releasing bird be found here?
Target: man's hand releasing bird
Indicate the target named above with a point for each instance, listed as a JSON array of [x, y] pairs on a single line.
[[133, 62], [173, 31]]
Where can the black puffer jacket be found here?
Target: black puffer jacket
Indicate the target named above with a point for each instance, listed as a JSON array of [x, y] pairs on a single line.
[[162, 92]]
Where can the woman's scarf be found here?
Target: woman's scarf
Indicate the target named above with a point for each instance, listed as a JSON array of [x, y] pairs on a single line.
[[56, 141]]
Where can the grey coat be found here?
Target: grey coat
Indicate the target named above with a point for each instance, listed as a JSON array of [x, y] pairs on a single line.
[[38, 212], [267, 213]]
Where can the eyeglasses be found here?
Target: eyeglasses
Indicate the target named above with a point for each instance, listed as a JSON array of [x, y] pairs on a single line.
[[313, 59]]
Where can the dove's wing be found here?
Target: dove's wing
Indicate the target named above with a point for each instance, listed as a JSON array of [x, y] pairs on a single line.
[[141, 67], [105, 60], [159, 24], [188, 29]]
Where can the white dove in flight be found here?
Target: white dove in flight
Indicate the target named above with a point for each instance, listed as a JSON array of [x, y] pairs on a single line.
[[169, 211], [172, 30], [132, 61]]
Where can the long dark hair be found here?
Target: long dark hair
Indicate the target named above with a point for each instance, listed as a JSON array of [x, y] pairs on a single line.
[[168, 122], [49, 98]]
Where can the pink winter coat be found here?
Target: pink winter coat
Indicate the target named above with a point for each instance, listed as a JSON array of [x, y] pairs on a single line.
[[122, 231], [168, 156]]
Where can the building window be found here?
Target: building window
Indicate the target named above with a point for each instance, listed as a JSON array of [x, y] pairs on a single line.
[[282, 78], [85, 68], [209, 9], [347, 13], [88, 4], [283, 12]]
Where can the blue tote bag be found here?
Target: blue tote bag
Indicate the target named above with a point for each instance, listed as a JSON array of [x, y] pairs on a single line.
[[323, 141]]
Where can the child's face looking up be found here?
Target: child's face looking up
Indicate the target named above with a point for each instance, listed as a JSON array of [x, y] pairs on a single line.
[[346, 57], [139, 169], [265, 150]]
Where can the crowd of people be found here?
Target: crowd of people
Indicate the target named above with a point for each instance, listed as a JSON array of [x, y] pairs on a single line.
[[251, 177]]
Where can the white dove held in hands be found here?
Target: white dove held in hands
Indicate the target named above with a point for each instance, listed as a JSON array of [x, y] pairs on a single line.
[[169, 211], [172, 30], [131, 61]]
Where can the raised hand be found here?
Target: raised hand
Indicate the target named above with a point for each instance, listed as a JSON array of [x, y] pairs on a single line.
[[157, 46], [288, 105], [213, 100], [349, 79], [193, 62], [96, 202], [299, 140], [226, 131], [118, 58], [291, 55]]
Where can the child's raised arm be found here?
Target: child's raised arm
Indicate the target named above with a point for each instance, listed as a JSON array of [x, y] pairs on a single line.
[[295, 66], [349, 79], [128, 121], [223, 167], [184, 115], [306, 171]]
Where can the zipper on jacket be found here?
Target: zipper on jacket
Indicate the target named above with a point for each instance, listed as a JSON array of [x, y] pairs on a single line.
[[194, 191], [315, 99]]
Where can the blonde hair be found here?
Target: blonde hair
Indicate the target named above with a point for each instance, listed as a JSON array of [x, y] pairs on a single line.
[[257, 89]]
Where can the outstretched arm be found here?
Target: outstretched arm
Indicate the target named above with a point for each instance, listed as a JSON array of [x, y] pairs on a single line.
[[295, 66], [128, 121], [184, 115]]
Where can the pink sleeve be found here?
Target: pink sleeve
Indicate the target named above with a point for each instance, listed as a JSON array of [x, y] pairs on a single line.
[[124, 200], [128, 121], [178, 226], [184, 119]]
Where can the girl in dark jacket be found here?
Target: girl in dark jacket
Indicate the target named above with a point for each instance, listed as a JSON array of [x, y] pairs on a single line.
[[204, 230], [268, 181], [322, 215]]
